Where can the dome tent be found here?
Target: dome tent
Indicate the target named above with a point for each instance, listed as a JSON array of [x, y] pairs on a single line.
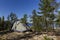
[[18, 26]]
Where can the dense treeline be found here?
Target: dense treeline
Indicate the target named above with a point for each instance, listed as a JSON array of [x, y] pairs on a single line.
[[42, 20]]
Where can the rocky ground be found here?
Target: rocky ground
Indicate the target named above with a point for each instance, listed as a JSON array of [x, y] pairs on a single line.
[[25, 36]]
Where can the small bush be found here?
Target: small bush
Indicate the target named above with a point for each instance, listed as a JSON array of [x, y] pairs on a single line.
[[46, 38]]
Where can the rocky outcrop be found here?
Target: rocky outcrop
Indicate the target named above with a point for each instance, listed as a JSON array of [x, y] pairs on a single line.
[[25, 36]]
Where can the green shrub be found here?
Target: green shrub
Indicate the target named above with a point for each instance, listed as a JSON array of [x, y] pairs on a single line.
[[46, 38]]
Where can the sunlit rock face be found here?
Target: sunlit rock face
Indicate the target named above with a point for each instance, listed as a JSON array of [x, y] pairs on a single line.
[[18, 26]]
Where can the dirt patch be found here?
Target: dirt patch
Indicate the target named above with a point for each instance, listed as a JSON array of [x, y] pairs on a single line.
[[24, 36], [58, 37]]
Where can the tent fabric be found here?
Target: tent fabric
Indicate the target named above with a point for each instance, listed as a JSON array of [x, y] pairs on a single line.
[[18, 26]]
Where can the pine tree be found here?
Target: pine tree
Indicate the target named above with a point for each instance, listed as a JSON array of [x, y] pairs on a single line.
[[58, 18], [11, 19], [36, 21], [24, 19], [46, 8], [2, 23]]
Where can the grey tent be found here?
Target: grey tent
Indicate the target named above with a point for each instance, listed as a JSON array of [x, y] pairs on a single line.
[[18, 26]]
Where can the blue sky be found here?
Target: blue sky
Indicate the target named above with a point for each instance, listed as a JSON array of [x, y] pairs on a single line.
[[20, 7]]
